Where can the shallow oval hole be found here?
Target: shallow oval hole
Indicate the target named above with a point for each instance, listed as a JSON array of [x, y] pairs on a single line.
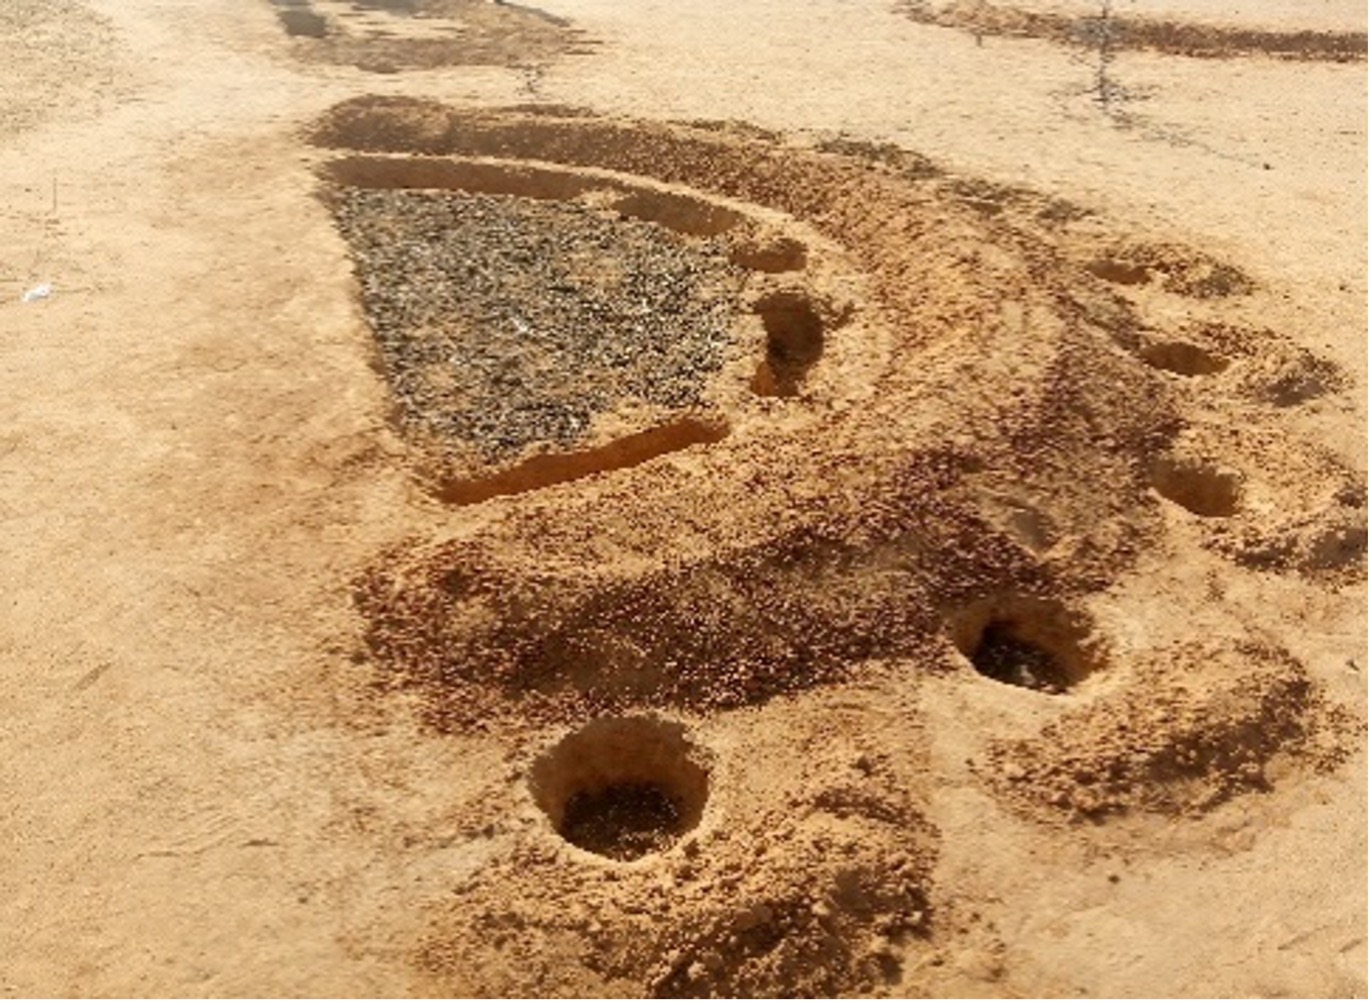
[[682, 213], [1036, 644], [794, 342], [1196, 486], [1183, 358], [1119, 272], [622, 787]]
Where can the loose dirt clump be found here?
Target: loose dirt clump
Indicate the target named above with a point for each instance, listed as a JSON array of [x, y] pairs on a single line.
[[1207, 726]]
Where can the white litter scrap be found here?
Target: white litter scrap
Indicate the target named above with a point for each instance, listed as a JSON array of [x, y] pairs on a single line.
[[37, 292]]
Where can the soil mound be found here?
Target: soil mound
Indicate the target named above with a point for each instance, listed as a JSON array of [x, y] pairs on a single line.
[[1120, 31], [1208, 726], [956, 415]]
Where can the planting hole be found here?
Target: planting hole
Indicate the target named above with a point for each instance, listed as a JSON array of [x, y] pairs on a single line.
[[1007, 658], [623, 821], [622, 787], [1031, 643], [1183, 359], [1196, 486], [794, 342]]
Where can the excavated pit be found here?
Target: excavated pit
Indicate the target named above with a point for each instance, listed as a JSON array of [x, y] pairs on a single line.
[[622, 787], [508, 325], [794, 343]]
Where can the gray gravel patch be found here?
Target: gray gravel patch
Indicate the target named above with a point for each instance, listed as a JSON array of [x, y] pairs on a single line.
[[506, 322]]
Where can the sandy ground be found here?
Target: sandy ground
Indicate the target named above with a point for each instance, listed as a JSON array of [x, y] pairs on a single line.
[[228, 772]]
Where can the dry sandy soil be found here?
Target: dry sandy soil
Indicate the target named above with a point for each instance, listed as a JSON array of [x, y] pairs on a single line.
[[683, 498]]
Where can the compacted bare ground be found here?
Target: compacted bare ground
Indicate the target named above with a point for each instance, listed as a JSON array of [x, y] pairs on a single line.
[[485, 533]]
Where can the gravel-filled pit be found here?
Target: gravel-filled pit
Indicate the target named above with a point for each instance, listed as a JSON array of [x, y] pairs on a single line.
[[505, 323]]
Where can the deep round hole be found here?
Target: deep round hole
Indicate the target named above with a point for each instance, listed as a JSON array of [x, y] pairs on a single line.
[[1183, 358], [1036, 644], [622, 787], [794, 342], [1008, 658], [1196, 486], [623, 821]]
